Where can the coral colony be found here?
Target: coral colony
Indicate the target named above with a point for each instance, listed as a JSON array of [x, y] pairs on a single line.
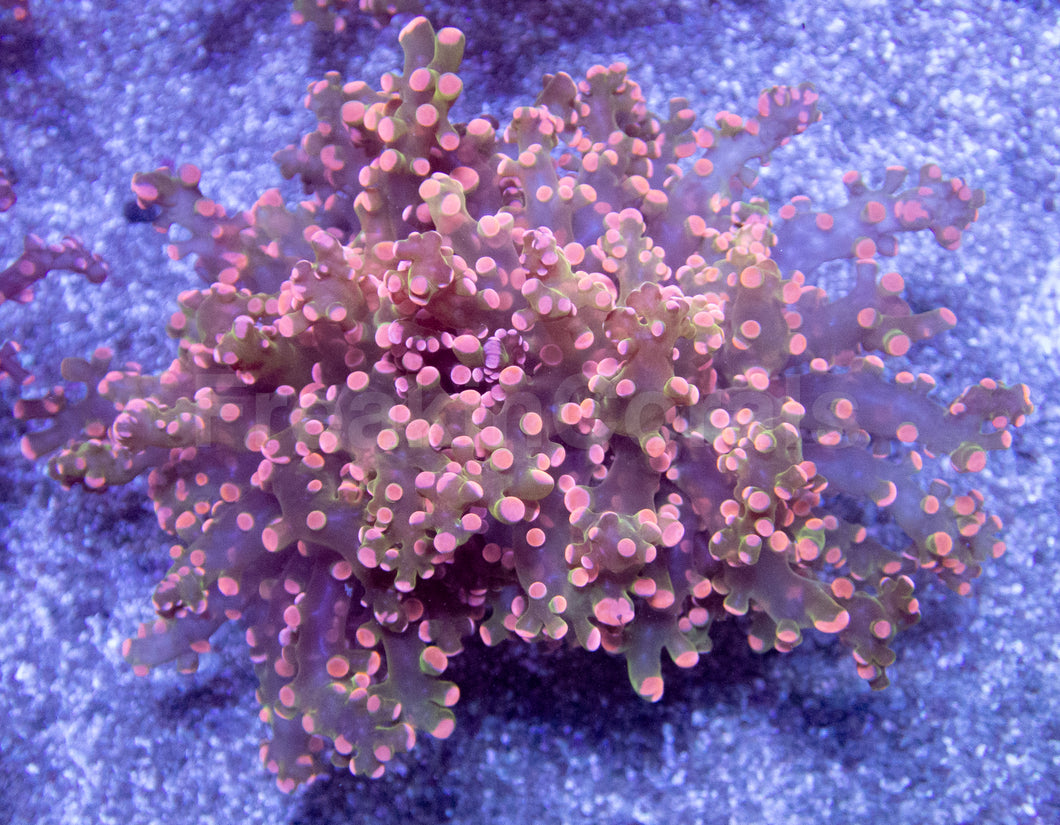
[[560, 381]]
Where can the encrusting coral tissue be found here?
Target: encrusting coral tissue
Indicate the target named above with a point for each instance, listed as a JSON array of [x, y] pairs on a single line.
[[563, 380]]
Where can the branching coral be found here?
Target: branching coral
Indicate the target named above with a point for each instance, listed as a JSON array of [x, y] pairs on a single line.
[[565, 380]]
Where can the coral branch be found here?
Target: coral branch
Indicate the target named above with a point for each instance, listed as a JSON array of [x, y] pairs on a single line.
[[39, 258], [36, 261]]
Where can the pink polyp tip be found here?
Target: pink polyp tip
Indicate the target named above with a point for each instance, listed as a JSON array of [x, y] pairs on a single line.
[[841, 620], [189, 174], [651, 688]]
